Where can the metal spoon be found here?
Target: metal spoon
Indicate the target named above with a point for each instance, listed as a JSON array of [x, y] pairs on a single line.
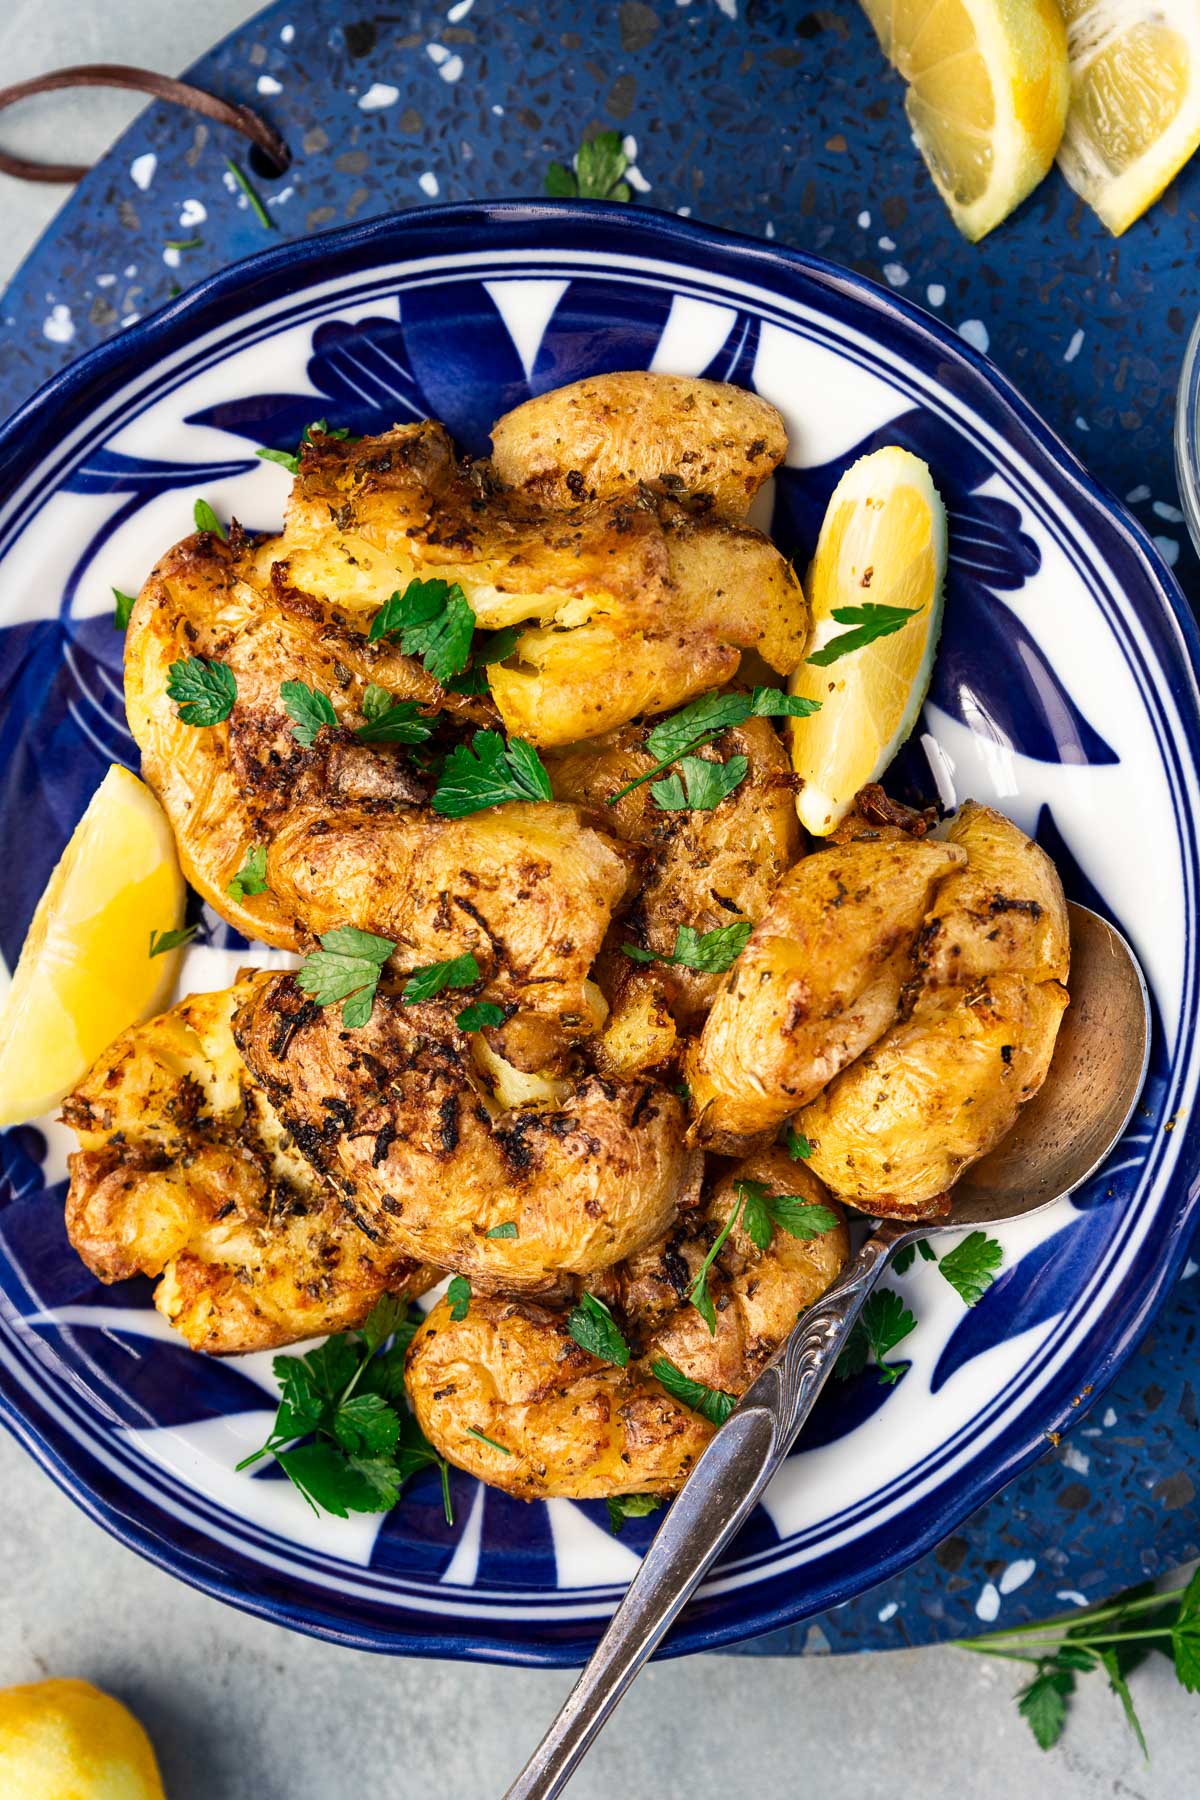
[[1061, 1138]]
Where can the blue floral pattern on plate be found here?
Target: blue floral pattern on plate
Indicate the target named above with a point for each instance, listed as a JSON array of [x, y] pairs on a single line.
[[1061, 692]]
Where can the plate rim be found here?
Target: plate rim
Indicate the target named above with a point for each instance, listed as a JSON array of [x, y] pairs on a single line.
[[80, 386]]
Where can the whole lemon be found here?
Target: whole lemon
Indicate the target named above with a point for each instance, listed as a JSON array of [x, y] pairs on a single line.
[[65, 1740]]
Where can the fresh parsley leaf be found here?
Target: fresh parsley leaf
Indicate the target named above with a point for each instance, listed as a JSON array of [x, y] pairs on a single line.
[[630, 1506], [251, 878], [162, 941], [699, 785], [256, 206], [367, 1426], [433, 620], [507, 1230], [762, 1211], [1111, 1664], [798, 1146], [351, 1451], [883, 1322], [698, 1293], [596, 1331], [1185, 1636], [391, 721], [287, 459], [487, 649], [927, 1251], [971, 1266], [869, 621], [192, 243], [346, 967], [489, 773], [478, 1015], [459, 1296], [203, 689], [483, 1438], [434, 978], [311, 710], [600, 164], [1043, 1704], [122, 607], [773, 703], [903, 1260], [712, 1404], [712, 952], [206, 519]]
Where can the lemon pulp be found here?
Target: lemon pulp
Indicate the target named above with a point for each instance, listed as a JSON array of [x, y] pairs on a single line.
[[883, 541], [85, 973]]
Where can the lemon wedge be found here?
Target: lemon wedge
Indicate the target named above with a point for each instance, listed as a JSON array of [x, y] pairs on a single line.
[[1134, 117], [882, 546], [85, 973], [988, 84], [67, 1739]]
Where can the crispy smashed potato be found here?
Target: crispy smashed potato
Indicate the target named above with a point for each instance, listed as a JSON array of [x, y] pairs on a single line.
[[706, 869], [941, 1088], [185, 1172], [612, 434], [527, 888], [395, 1114], [227, 787], [578, 1427], [819, 980]]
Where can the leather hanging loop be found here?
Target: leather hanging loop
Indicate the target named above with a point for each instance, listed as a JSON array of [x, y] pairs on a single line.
[[142, 81]]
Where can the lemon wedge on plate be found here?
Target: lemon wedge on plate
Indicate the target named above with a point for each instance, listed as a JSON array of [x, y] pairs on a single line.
[[880, 562], [85, 973], [1134, 117], [987, 95]]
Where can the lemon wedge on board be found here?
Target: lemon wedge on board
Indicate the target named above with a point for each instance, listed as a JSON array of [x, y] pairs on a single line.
[[85, 973], [988, 83], [1134, 118], [882, 545]]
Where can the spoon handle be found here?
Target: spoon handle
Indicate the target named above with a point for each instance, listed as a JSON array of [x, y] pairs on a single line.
[[719, 1496]]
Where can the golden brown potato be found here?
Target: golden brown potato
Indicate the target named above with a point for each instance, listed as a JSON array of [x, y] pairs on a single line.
[[610, 434], [185, 1171], [395, 1114], [707, 869], [640, 1036], [945, 1084], [578, 1427], [630, 603], [226, 787], [1003, 914], [895, 1131], [818, 982], [527, 888]]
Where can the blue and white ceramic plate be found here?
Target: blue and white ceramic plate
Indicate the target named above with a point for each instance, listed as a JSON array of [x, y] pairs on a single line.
[[1064, 693]]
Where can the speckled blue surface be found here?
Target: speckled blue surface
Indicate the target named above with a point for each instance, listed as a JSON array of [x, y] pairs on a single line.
[[783, 123]]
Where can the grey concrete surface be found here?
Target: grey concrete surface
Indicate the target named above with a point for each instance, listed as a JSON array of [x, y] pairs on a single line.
[[238, 1708]]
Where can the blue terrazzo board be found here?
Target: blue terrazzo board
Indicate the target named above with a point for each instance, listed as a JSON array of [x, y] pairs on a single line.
[[778, 120]]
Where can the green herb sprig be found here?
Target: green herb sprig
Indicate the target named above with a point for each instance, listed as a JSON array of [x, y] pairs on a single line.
[[346, 967], [290, 459], [391, 721], [1113, 1639], [256, 206], [630, 1506], [711, 952], [704, 720], [487, 773], [251, 878], [597, 173], [162, 941], [205, 519], [433, 620], [122, 608], [698, 1293], [342, 1433], [869, 622], [763, 1212], [594, 1329], [309, 708], [204, 690], [712, 1404]]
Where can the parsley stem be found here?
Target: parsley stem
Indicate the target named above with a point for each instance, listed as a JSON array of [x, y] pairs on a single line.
[[987, 1650], [446, 1506], [256, 206], [1050, 1627], [706, 737], [698, 1285]]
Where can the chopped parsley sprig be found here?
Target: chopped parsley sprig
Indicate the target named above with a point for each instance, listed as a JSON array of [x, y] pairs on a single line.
[[309, 708], [203, 689], [1114, 1639], [346, 967], [487, 773], [763, 1211], [684, 732], [868, 622], [391, 721], [884, 1322], [597, 171], [342, 1433], [433, 620], [711, 952], [251, 878], [712, 1404], [162, 941], [630, 1506], [290, 459], [698, 1293], [459, 1296], [595, 1330], [206, 519], [122, 608]]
